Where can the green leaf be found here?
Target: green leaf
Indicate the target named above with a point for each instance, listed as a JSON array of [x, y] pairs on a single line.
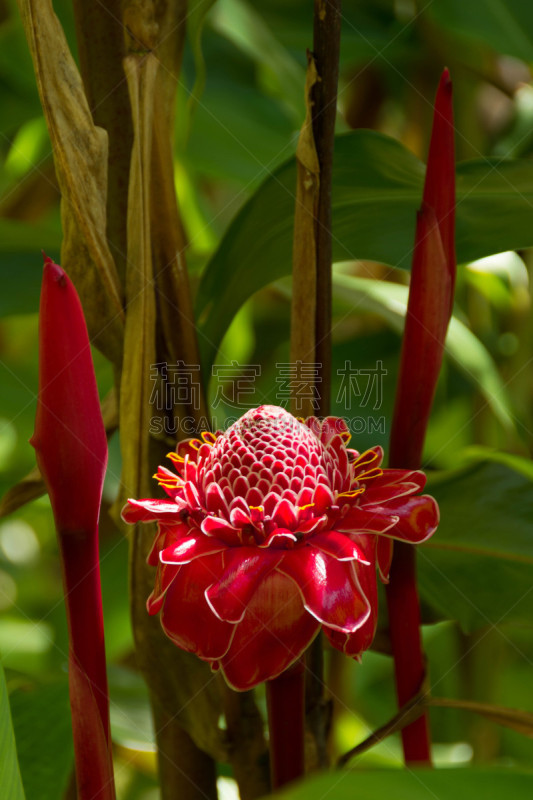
[[478, 567], [10, 779], [21, 269], [389, 300], [246, 28], [195, 23], [377, 189], [444, 784], [504, 25], [41, 718]]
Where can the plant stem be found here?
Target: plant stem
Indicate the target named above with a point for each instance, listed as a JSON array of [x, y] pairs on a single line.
[[404, 625], [326, 47], [428, 313], [83, 600], [285, 702]]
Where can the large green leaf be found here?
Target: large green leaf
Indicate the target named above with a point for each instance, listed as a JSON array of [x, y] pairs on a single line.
[[389, 300], [504, 25], [41, 718], [10, 779], [377, 188], [444, 784], [478, 567]]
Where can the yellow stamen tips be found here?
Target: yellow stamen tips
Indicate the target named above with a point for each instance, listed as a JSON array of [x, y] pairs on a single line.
[[353, 493], [371, 473], [164, 476], [256, 508], [301, 419], [175, 458], [302, 508], [195, 444], [208, 437], [365, 458]]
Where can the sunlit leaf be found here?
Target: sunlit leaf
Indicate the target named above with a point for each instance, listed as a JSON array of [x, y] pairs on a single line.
[[446, 784]]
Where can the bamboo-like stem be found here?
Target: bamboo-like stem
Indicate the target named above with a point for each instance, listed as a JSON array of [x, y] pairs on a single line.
[[101, 49], [285, 702], [326, 47], [185, 772]]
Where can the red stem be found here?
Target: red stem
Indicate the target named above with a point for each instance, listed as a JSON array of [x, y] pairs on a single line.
[[285, 702], [404, 626], [83, 600], [87, 667], [428, 313]]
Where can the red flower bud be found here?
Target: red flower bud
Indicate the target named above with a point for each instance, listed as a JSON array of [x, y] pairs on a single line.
[[71, 448], [69, 439]]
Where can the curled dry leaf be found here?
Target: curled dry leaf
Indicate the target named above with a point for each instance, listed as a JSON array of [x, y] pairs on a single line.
[[139, 336], [80, 156]]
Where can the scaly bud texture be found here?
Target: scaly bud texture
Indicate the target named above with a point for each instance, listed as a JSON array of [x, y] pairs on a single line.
[[272, 530], [71, 450]]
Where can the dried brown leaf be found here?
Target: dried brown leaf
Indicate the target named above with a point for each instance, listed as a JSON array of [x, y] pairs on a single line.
[[80, 156], [139, 338]]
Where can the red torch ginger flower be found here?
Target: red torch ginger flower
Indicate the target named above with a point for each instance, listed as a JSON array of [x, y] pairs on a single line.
[[272, 530]]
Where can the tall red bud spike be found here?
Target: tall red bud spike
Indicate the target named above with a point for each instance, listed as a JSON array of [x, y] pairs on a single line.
[[71, 448], [428, 314]]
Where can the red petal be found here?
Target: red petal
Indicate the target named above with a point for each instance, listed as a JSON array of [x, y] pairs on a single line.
[[377, 495], [338, 546], [274, 632], [190, 548], [213, 526], [368, 460], [186, 617], [165, 575], [353, 644], [359, 520], [215, 502], [244, 570], [166, 535], [330, 588], [401, 475], [150, 510], [418, 518], [284, 515], [280, 538], [323, 499], [384, 551]]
